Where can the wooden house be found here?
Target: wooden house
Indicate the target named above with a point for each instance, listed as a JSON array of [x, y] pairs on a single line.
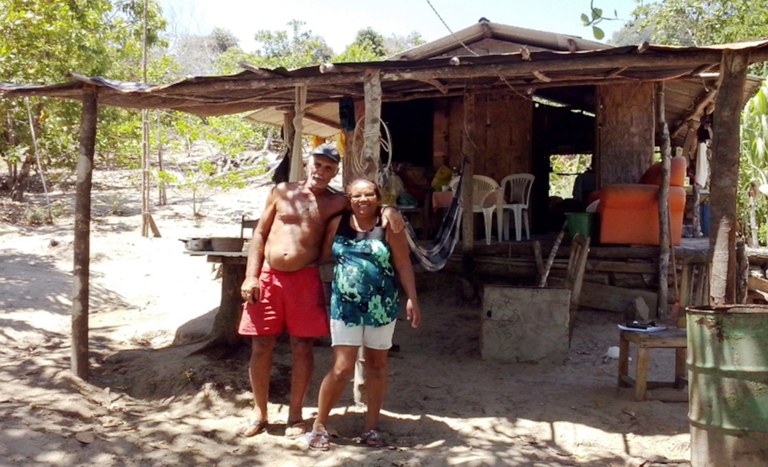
[[503, 98]]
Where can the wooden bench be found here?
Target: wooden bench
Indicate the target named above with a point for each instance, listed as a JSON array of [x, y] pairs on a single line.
[[674, 338]]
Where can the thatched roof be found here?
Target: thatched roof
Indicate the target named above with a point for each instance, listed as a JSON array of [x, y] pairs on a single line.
[[427, 72]]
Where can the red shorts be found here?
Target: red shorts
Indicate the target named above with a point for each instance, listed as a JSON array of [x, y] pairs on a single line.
[[292, 301]]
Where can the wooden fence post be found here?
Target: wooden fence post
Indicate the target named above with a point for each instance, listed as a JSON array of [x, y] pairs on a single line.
[[80, 304]]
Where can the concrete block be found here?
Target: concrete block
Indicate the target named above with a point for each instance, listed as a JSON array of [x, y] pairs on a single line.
[[525, 324]]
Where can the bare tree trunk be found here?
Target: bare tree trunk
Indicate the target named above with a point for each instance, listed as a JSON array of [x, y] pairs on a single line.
[[10, 138], [725, 163], [21, 181]]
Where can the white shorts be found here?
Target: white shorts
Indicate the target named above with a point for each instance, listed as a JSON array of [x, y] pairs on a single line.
[[377, 338]]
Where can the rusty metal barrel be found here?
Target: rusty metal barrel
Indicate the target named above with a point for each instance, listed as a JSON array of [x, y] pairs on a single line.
[[728, 385]]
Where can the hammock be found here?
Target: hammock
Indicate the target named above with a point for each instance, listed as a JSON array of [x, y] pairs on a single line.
[[434, 257]]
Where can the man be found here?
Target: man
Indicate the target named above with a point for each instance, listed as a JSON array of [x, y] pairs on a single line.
[[282, 286]]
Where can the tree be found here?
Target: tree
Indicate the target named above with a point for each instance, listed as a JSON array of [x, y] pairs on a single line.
[[369, 45], [701, 22], [200, 55], [223, 40], [291, 49], [90, 37]]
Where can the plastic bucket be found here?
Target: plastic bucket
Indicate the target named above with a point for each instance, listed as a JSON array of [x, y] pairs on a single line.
[[579, 222], [728, 385]]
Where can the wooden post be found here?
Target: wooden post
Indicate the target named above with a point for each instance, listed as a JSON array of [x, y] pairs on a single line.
[[468, 171], [665, 240], [349, 155], [162, 197], [297, 156], [147, 222], [371, 154], [724, 185], [80, 304]]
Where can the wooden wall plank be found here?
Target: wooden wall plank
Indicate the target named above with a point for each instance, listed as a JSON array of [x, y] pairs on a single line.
[[625, 132], [502, 129]]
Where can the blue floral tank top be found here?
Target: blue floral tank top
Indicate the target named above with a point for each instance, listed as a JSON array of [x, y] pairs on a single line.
[[364, 291]]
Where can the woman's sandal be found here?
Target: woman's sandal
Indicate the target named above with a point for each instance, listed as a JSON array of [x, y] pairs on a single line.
[[318, 440], [372, 439], [254, 428]]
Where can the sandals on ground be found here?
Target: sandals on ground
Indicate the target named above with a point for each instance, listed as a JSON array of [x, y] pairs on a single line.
[[295, 429], [318, 440], [255, 427], [372, 439]]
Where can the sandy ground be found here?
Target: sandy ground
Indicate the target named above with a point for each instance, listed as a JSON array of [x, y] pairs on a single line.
[[148, 402]]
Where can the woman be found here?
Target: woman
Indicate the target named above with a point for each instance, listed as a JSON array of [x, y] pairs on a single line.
[[364, 305]]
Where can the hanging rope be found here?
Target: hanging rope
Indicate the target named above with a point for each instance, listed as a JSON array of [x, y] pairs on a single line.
[[357, 164]]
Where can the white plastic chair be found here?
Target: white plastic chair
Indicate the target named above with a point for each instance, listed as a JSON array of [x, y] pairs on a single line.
[[485, 199], [516, 192]]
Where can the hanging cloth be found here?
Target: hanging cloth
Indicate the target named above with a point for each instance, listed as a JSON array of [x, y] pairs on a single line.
[[702, 165], [436, 256]]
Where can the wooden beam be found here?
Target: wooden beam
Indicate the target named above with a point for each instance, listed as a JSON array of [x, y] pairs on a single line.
[[322, 120], [698, 111], [665, 240], [353, 74], [288, 133], [371, 154], [468, 170], [82, 246], [437, 84], [297, 158], [541, 76]]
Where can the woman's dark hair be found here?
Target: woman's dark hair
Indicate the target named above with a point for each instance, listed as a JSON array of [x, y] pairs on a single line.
[[376, 190]]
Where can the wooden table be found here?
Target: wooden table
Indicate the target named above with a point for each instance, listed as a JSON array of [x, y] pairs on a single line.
[[232, 276], [673, 338]]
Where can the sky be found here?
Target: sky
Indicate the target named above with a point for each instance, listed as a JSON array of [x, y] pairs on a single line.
[[338, 21]]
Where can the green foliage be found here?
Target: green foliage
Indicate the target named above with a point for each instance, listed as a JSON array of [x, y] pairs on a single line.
[[703, 22], [294, 49], [35, 215], [753, 167], [228, 63], [223, 40], [563, 171], [369, 46], [202, 179], [596, 17], [44, 41]]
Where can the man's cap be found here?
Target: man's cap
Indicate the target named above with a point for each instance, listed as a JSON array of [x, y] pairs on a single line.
[[326, 150]]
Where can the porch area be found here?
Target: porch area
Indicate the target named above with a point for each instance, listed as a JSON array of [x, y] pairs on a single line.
[[615, 276]]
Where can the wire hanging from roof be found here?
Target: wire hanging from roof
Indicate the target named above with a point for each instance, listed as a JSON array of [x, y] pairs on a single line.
[[450, 30]]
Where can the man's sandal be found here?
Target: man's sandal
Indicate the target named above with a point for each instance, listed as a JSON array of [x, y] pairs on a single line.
[[254, 428], [318, 440], [295, 429], [372, 439]]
